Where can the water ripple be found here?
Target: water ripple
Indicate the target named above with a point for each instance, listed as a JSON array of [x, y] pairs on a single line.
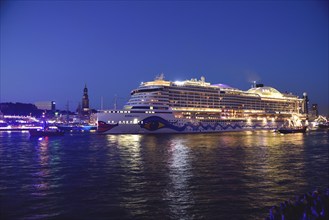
[[236, 175]]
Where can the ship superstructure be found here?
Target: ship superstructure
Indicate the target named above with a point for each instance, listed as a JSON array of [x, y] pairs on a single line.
[[162, 106]]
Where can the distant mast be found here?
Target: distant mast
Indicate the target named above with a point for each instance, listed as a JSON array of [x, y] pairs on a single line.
[[67, 112], [115, 102]]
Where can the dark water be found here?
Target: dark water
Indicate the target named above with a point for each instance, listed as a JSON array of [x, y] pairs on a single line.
[[236, 175]]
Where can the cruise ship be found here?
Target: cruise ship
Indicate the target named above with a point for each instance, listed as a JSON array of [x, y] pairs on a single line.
[[196, 106]]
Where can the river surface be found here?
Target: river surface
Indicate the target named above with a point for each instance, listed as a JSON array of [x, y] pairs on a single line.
[[232, 175]]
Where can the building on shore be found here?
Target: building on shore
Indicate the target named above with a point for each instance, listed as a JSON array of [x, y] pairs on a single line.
[[46, 105]]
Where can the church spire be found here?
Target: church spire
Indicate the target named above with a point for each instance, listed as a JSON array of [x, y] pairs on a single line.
[[85, 101]]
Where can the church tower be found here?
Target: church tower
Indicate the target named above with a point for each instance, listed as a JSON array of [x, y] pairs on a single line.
[[85, 101]]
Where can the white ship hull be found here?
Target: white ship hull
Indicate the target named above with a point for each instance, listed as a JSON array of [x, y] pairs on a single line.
[[121, 123]]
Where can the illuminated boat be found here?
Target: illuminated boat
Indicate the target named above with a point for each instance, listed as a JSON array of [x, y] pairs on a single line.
[[76, 127], [289, 130], [323, 125], [322, 122], [45, 132], [68, 127], [195, 106], [292, 125], [4, 126]]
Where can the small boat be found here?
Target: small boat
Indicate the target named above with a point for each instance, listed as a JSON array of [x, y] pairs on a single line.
[[293, 125], [321, 122], [290, 130], [68, 127], [45, 132], [76, 127], [88, 127], [323, 125]]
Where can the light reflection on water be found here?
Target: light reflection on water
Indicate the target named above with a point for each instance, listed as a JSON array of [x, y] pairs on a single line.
[[42, 185], [234, 175], [178, 193]]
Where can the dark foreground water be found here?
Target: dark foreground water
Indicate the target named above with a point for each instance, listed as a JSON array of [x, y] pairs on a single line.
[[236, 175]]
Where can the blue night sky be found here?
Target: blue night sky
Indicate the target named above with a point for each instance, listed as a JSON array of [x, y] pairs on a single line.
[[50, 49]]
